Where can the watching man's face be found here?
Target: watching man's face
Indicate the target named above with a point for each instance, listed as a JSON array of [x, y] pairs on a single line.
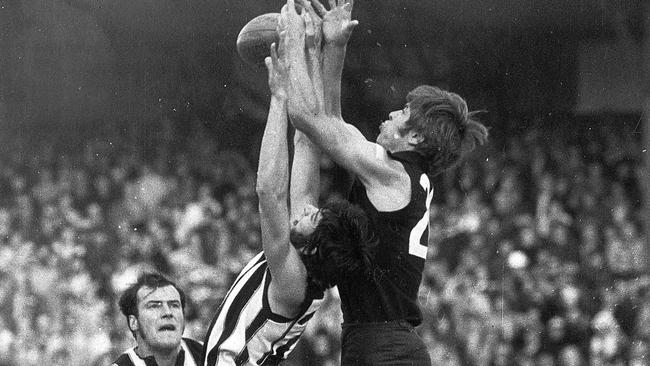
[[160, 322]]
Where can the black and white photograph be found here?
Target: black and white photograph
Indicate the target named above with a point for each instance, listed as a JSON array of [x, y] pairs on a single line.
[[324, 182]]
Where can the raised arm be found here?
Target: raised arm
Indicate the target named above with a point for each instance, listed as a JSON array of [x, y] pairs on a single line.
[[305, 170], [272, 189], [342, 142], [337, 29]]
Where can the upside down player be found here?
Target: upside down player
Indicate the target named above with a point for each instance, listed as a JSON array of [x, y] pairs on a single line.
[[392, 183], [270, 302]]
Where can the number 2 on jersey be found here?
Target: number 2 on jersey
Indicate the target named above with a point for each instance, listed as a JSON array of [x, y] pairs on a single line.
[[415, 239]]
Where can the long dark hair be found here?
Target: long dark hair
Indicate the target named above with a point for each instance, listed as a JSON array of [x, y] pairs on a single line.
[[341, 245]]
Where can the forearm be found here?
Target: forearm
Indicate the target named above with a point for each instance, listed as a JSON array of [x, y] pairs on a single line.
[[305, 175], [304, 104], [332, 66], [273, 166]]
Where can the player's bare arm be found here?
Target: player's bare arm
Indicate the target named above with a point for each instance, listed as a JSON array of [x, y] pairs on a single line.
[[305, 170], [337, 29], [272, 188], [381, 175]]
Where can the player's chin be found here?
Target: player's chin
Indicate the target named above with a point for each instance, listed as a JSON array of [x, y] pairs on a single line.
[[169, 336], [168, 340]]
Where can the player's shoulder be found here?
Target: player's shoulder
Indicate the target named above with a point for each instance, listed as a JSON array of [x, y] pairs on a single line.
[[192, 343], [195, 347]]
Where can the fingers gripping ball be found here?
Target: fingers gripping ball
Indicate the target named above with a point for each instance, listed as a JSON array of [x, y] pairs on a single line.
[[255, 38]]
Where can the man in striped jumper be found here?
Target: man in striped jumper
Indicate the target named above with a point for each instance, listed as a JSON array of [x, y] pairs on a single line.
[[306, 250], [153, 307]]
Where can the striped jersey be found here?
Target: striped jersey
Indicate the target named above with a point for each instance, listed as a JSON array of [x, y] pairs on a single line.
[[245, 331], [190, 355]]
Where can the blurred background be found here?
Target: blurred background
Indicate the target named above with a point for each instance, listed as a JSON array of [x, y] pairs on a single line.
[[129, 135]]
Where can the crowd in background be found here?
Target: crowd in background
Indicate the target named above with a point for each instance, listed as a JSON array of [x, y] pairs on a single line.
[[537, 256]]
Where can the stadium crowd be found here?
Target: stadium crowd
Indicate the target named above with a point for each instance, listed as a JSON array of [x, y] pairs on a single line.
[[538, 254]]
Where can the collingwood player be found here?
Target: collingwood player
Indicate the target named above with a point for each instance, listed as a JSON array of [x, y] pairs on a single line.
[[305, 251], [154, 310]]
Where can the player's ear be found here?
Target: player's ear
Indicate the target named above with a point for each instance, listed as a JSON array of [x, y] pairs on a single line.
[[414, 138], [133, 323]]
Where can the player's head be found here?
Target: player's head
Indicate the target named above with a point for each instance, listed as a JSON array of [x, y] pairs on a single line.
[[437, 124], [154, 310], [334, 241]]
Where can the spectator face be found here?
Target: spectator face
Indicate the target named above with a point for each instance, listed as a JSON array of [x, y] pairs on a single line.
[[555, 328], [570, 296], [160, 322], [620, 212], [527, 237], [589, 234], [570, 356], [559, 235], [545, 359]]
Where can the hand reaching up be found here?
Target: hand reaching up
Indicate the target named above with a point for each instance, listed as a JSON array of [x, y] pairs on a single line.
[[278, 73], [291, 27], [337, 21]]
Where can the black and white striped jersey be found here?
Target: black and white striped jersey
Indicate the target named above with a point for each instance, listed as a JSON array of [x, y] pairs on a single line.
[[190, 355], [245, 331]]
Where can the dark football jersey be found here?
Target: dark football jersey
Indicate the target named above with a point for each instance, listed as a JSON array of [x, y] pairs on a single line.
[[390, 293]]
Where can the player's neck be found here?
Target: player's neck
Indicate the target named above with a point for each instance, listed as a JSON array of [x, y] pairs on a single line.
[[162, 357]]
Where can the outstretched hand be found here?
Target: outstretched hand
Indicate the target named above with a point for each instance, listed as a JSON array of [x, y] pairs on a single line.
[[313, 26], [278, 72], [337, 21], [291, 27]]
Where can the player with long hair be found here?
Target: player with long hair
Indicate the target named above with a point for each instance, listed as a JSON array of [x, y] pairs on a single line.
[[392, 182], [306, 250]]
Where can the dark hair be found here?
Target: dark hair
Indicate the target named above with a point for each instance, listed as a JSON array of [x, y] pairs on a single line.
[[448, 129], [129, 300], [341, 245]]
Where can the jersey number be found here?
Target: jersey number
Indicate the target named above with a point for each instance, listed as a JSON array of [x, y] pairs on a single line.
[[415, 240]]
